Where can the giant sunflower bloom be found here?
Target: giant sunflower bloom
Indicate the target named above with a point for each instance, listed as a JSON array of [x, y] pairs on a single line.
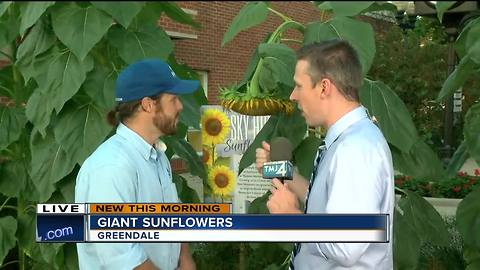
[[215, 126], [222, 180]]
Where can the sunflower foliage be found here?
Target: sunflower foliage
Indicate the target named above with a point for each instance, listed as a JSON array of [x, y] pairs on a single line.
[[62, 59], [269, 75]]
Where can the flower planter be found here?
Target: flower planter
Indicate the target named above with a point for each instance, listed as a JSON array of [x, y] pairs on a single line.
[[444, 206]]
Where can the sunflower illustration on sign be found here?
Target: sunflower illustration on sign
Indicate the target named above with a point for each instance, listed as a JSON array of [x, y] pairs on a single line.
[[208, 157], [215, 126], [222, 180]]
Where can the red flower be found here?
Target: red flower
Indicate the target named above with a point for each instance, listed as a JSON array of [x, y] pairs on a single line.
[[456, 189], [399, 182], [466, 186], [461, 173], [408, 178], [472, 181], [477, 172]]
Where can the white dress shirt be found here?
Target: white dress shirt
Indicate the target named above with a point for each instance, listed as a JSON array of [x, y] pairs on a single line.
[[355, 176]]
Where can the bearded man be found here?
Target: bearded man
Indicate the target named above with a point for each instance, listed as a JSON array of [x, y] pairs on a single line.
[[131, 166]]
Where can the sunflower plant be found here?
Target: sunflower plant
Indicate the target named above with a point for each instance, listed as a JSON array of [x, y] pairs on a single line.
[[268, 82], [265, 89]]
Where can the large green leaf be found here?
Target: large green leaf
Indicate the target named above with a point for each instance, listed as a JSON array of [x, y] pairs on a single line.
[[4, 6], [122, 12], [468, 219], [359, 34], [80, 129], [406, 241], [474, 51], [471, 131], [425, 220], [349, 8], [292, 127], [38, 110], [39, 40], [304, 155], [472, 257], [259, 205], [9, 25], [8, 227], [391, 113], [263, 135], [26, 233], [31, 12], [66, 73], [176, 13], [185, 193], [253, 13], [184, 150], [12, 122], [457, 78], [100, 87], [6, 82], [469, 32], [278, 65], [421, 162], [458, 160], [50, 163], [80, 28], [442, 7], [190, 114], [14, 177], [71, 258], [137, 44]]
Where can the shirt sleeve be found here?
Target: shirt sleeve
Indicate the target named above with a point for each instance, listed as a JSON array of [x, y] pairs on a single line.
[[355, 186], [109, 184]]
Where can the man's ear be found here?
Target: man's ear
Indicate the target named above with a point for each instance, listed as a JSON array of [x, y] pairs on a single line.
[[146, 104], [325, 87]]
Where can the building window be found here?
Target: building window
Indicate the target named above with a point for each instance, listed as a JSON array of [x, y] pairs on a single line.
[[203, 76]]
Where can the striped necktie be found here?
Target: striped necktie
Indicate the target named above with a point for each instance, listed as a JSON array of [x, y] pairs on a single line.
[[318, 158]]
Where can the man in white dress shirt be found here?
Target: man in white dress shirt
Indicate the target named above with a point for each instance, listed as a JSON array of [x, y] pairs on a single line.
[[354, 172]]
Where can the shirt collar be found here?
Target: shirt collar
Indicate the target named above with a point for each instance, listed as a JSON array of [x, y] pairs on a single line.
[[146, 150], [343, 123]]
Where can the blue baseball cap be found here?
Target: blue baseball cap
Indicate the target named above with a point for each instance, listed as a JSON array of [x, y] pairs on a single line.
[[148, 78]]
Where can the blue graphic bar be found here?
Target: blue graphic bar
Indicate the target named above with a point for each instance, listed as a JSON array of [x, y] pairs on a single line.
[[240, 222], [60, 228]]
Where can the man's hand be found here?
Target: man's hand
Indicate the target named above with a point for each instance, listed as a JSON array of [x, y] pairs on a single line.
[[262, 155], [282, 200], [186, 260]]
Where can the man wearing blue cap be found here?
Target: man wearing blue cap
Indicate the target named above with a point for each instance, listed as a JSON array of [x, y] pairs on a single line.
[[131, 166]]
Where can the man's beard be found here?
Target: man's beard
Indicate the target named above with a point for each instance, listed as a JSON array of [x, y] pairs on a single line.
[[167, 125]]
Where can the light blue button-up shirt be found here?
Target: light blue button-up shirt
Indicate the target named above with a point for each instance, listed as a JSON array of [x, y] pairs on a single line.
[[355, 176], [126, 169]]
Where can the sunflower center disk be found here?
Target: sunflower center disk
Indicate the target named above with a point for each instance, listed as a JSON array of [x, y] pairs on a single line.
[[213, 126], [221, 180]]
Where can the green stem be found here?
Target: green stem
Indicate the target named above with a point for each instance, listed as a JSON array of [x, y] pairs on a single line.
[[17, 78], [291, 40], [9, 207], [5, 202], [253, 90], [10, 262], [32, 206], [285, 18], [401, 190], [21, 254]]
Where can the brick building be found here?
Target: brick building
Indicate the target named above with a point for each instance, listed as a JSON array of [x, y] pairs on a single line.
[[201, 49]]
